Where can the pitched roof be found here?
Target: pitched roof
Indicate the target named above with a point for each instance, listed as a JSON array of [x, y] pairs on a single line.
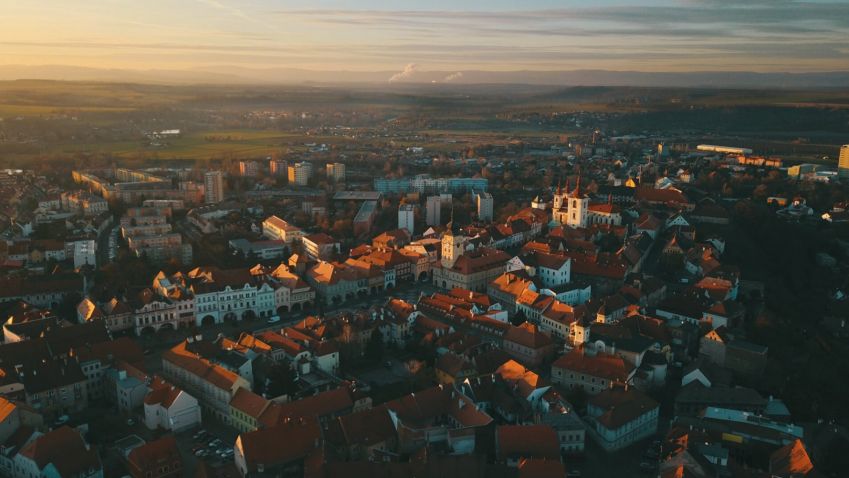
[[155, 454], [527, 441], [367, 428], [281, 444], [322, 404], [790, 460], [65, 449], [600, 365], [200, 367], [162, 393], [621, 406], [528, 335], [249, 403]]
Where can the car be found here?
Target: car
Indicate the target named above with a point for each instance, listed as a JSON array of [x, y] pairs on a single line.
[[273, 319], [63, 420], [387, 364], [197, 448], [200, 453], [130, 422]]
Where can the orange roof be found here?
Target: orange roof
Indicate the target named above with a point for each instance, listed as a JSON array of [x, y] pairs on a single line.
[[527, 335], [600, 365], [249, 403], [790, 460], [202, 368], [6, 408]]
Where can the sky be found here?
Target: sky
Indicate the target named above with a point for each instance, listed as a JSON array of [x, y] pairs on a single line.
[[406, 36]]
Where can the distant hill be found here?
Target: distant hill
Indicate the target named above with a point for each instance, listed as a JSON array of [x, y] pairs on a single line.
[[240, 75]]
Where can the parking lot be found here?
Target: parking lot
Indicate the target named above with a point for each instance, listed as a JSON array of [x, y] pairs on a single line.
[[212, 443]]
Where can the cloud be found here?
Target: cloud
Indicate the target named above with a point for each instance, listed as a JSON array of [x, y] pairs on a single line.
[[453, 76], [406, 74]]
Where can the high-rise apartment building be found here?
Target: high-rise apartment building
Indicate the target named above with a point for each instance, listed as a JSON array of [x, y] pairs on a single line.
[[336, 172], [300, 173], [406, 217], [213, 187]]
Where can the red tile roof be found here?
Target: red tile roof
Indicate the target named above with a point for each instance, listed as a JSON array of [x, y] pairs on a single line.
[[600, 365], [527, 441], [156, 454], [65, 449]]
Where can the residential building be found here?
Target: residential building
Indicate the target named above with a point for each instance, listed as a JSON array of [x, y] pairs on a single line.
[[513, 443], [335, 172], [213, 182], [248, 169], [278, 167], [156, 459], [406, 218], [278, 450], [433, 210], [58, 453], [472, 270], [320, 246], [211, 384], [170, 408], [621, 416], [291, 293], [300, 173], [528, 345], [485, 206], [592, 373]]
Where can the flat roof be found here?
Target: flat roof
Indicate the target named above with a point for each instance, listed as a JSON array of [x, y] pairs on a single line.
[[357, 196]]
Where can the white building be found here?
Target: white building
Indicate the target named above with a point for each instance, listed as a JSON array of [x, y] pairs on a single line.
[[213, 182], [571, 208], [277, 229], [170, 408], [406, 217], [336, 172], [485, 206], [85, 253], [300, 173]]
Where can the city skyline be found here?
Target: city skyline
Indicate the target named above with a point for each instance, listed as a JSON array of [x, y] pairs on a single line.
[[404, 41]]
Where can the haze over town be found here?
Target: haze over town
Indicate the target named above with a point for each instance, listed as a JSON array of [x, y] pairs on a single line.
[[380, 239]]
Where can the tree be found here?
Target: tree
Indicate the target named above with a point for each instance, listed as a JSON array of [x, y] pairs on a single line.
[[281, 380], [375, 347]]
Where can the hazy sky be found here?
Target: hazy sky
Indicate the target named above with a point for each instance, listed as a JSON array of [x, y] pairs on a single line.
[[653, 35]]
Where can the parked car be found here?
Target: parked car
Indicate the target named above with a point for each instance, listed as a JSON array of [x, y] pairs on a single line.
[[273, 319]]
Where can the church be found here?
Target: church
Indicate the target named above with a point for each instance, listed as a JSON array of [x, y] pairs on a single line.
[[573, 209]]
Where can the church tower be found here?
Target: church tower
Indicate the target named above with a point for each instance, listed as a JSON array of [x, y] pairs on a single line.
[[577, 204], [452, 243], [558, 197]]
